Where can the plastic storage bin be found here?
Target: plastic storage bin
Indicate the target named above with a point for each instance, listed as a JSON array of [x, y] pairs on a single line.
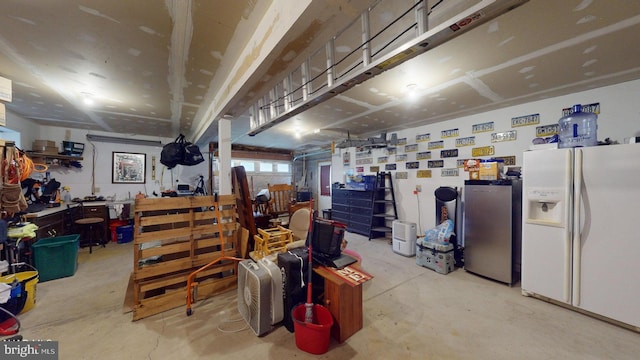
[[124, 234], [56, 257], [72, 148], [114, 224], [361, 182], [27, 289]]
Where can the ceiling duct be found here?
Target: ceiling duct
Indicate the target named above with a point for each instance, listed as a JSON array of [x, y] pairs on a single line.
[[264, 115], [119, 140]]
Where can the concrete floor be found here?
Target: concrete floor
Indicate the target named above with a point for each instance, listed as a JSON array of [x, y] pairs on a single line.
[[409, 312]]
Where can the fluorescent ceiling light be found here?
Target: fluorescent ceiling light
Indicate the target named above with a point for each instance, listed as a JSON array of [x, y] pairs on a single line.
[[118, 140]]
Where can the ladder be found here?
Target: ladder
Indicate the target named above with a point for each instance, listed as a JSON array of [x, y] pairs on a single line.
[[383, 207]]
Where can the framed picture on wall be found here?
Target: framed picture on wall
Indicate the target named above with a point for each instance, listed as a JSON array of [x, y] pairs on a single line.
[[128, 168]]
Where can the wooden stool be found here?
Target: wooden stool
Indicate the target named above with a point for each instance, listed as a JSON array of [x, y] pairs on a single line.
[[87, 228]]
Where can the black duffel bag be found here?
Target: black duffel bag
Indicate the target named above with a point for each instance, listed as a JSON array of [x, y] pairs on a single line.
[[173, 153], [180, 152], [192, 155]]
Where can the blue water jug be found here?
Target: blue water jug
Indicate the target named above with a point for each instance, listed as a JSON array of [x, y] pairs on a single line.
[[578, 129]]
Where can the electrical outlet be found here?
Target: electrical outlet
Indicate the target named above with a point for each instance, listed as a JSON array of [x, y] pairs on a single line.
[[418, 188]]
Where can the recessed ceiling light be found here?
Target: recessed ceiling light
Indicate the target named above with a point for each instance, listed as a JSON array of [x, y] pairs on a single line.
[[412, 90], [87, 98]]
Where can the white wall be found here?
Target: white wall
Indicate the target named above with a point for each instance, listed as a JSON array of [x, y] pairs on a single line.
[[619, 118], [27, 130], [100, 163]]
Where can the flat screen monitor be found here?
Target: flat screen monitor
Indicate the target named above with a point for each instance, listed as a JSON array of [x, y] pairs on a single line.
[[326, 238]]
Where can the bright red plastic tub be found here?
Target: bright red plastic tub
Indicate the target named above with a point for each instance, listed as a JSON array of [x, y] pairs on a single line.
[[313, 337]]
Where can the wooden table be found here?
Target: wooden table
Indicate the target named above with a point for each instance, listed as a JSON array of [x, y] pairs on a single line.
[[344, 301]]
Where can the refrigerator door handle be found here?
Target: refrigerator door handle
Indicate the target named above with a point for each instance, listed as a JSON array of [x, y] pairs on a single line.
[[577, 199], [567, 229]]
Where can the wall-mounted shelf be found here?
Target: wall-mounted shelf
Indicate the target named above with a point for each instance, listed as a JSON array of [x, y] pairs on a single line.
[[36, 156]]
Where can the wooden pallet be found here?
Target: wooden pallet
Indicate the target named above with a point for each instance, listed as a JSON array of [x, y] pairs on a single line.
[[172, 238]]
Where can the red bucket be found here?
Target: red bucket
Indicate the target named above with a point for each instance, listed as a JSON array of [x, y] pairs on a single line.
[[312, 337]]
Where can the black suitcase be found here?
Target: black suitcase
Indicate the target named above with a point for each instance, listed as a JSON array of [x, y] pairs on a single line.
[[293, 265]]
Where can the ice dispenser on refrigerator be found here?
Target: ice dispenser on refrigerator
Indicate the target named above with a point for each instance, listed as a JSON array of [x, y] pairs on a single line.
[[545, 206]]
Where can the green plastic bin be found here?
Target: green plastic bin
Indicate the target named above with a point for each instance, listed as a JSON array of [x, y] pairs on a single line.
[[56, 257]]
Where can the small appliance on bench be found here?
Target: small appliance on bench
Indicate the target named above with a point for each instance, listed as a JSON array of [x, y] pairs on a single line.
[[184, 190]]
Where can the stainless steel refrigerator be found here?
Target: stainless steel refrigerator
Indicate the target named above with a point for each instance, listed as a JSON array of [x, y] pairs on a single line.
[[492, 229]]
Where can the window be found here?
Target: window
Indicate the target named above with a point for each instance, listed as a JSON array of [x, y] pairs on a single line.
[[282, 168], [266, 167], [249, 166], [257, 166]]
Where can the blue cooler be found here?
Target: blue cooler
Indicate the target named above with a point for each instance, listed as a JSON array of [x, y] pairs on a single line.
[[435, 256]]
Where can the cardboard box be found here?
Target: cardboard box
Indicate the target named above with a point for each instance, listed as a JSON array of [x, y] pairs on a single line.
[[491, 170], [472, 165], [5, 89], [45, 146], [43, 143], [3, 115]]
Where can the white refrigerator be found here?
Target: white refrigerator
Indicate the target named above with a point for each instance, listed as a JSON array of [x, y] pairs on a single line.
[[581, 229]]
